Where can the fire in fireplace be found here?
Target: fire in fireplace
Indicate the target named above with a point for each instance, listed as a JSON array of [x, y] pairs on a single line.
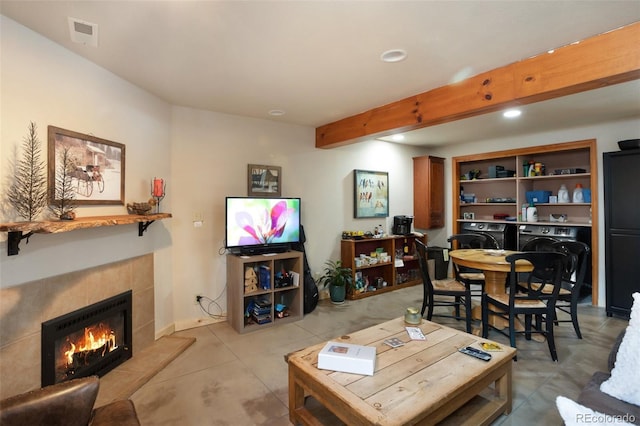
[[91, 340]]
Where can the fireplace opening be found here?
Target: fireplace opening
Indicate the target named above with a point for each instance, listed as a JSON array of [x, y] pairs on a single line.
[[90, 341]]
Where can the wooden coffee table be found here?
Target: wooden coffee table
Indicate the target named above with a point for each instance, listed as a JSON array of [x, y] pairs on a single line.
[[422, 382]]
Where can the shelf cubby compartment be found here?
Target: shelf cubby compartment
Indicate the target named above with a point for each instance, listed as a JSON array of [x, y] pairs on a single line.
[[281, 289]]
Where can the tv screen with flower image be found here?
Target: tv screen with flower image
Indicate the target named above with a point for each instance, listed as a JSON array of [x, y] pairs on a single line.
[[261, 225]]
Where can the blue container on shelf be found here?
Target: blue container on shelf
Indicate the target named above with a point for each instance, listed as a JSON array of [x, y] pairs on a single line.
[[586, 194], [537, 197]]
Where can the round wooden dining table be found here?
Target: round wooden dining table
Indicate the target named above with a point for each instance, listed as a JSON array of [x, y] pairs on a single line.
[[492, 263], [495, 268]]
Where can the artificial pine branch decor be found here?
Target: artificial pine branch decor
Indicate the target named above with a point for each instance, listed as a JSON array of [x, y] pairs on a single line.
[[28, 192], [64, 193]]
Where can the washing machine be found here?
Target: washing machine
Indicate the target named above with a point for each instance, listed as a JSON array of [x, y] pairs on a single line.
[[504, 233], [555, 233]]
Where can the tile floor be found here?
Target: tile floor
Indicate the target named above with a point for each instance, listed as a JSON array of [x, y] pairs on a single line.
[[225, 378]]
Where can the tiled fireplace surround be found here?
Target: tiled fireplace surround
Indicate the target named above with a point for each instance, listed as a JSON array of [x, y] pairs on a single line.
[[23, 309]]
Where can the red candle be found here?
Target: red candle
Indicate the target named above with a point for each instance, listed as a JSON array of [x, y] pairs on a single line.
[[158, 187]]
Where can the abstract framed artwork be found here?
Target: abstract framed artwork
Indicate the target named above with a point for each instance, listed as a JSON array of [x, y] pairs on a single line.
[[96, 167], [371, 194]]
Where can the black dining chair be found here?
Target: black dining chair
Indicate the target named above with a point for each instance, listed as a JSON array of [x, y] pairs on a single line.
[[572, 278], [471, 276], [450, 287], [548, 268], [539, 244], [491, 241]]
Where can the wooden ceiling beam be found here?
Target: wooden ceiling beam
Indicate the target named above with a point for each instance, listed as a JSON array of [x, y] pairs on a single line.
[[602, 60]]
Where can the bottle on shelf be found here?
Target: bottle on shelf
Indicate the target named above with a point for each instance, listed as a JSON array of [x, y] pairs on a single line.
[[532, 213], [578, 196], [524, 212], [563, 194], [405, 248]]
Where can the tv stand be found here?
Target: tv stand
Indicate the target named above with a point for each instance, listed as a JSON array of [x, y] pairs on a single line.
[[262, 250], [245, 289]]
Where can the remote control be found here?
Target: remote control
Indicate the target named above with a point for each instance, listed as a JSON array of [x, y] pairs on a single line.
[[476, 353]]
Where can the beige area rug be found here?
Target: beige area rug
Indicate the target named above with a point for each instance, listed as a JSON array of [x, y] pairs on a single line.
[[127, 378]]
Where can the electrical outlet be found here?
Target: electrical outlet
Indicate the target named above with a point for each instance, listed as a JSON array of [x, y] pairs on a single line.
[[198, 220]]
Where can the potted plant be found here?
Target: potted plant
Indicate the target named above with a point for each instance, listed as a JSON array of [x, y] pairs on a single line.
[[338, 278]]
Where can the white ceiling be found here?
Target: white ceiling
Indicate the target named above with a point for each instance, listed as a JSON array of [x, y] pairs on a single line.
[[319, 61]]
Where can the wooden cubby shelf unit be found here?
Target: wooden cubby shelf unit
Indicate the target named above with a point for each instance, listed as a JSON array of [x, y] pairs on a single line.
[[395, 276], [568, 163], [21, 230], [240, 296]]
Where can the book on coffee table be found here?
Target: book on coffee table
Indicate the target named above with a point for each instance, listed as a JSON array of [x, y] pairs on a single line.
[[348, 358]]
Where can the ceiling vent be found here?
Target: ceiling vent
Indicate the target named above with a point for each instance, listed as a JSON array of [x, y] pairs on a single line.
[[83, 32]]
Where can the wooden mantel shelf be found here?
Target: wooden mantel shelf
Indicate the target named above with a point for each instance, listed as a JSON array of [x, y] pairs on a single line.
[[55, 226], [16, 229]]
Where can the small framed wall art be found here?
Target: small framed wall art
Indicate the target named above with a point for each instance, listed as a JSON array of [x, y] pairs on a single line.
[[95, 171], [371, 194], [264, 181]]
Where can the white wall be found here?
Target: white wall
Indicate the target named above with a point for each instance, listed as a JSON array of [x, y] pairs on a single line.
[[44, 83], [210, 154], [202, 155]]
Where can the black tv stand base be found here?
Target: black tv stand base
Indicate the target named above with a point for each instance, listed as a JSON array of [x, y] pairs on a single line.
[[253, 251]]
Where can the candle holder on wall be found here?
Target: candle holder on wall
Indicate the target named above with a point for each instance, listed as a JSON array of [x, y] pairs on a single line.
[[158, 187]]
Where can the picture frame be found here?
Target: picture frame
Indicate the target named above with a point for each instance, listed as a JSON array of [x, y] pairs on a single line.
[[370, 194], [99, 174], [468, 216], [264, 181]]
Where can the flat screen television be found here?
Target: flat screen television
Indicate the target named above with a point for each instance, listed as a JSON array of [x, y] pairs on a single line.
[[261, 225]]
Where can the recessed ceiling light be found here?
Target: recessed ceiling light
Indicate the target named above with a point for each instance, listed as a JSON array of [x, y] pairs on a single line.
[[512, 113], [276, 112], [394, 55]]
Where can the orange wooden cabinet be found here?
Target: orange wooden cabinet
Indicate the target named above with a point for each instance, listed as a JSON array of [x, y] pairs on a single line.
[[428, 192]]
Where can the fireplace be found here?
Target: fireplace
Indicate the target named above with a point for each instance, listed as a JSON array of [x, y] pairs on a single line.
[[90, 341]]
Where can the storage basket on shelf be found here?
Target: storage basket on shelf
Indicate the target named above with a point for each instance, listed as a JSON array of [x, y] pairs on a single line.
[[534, 197]]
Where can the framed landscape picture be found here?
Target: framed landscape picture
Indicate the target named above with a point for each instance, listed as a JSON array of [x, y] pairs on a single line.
[[371, 194], [95, 167]]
